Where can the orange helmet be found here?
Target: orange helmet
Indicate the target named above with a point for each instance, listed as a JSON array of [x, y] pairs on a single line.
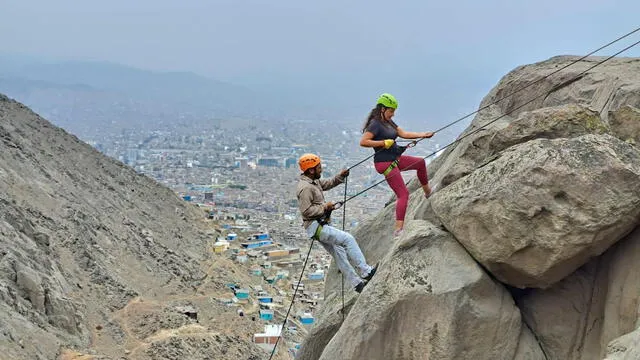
[[308, 161]]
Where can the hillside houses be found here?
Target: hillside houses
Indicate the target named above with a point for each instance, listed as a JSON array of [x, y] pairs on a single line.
[[274, 269]]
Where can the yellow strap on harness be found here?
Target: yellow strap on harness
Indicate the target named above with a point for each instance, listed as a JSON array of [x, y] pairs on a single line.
[[390, 168]]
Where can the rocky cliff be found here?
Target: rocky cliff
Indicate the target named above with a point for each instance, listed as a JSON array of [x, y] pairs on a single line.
[[95, 258], [530, 247]]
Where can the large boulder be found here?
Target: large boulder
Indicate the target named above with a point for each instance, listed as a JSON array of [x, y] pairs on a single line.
[[576, 318], [543, 208], [429, 300]]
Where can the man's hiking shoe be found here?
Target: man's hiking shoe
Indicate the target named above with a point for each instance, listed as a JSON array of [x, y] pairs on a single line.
[[372, 272], [398, 232], [360, 286]]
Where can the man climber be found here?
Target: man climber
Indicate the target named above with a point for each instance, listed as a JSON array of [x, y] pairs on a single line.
[[315, 215]]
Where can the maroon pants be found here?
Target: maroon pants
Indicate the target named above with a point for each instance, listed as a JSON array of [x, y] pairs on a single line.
[[396, 182]]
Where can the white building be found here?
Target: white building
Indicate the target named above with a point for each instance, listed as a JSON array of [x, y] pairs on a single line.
[[268, 339]]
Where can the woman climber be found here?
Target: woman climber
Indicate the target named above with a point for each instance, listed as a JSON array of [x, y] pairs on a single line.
[[380, 132]]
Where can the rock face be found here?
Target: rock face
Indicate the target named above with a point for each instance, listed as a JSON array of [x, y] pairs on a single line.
[[543, 208], [577, 317], [577, 114], [546, 200], [421, 303]]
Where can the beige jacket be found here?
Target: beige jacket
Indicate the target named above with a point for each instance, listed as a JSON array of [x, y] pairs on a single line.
[[311, 198]]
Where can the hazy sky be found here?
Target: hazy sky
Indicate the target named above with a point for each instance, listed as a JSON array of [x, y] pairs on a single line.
[[438, 57]]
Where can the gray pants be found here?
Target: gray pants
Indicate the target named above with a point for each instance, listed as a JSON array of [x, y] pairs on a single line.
[[345, 251]]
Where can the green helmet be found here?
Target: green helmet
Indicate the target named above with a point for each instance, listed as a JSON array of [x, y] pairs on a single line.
[[388, 100]]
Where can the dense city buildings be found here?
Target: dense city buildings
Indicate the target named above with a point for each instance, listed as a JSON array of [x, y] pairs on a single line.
[[240, 168]]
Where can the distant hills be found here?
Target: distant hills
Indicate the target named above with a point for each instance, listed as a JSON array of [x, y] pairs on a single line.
[[87, 96]]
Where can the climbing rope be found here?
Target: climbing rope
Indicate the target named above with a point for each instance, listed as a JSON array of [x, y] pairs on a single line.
[[503, 115], [517, 90], [344, 220]]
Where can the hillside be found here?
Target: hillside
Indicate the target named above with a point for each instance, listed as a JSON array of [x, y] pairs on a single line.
[[95, 258]]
